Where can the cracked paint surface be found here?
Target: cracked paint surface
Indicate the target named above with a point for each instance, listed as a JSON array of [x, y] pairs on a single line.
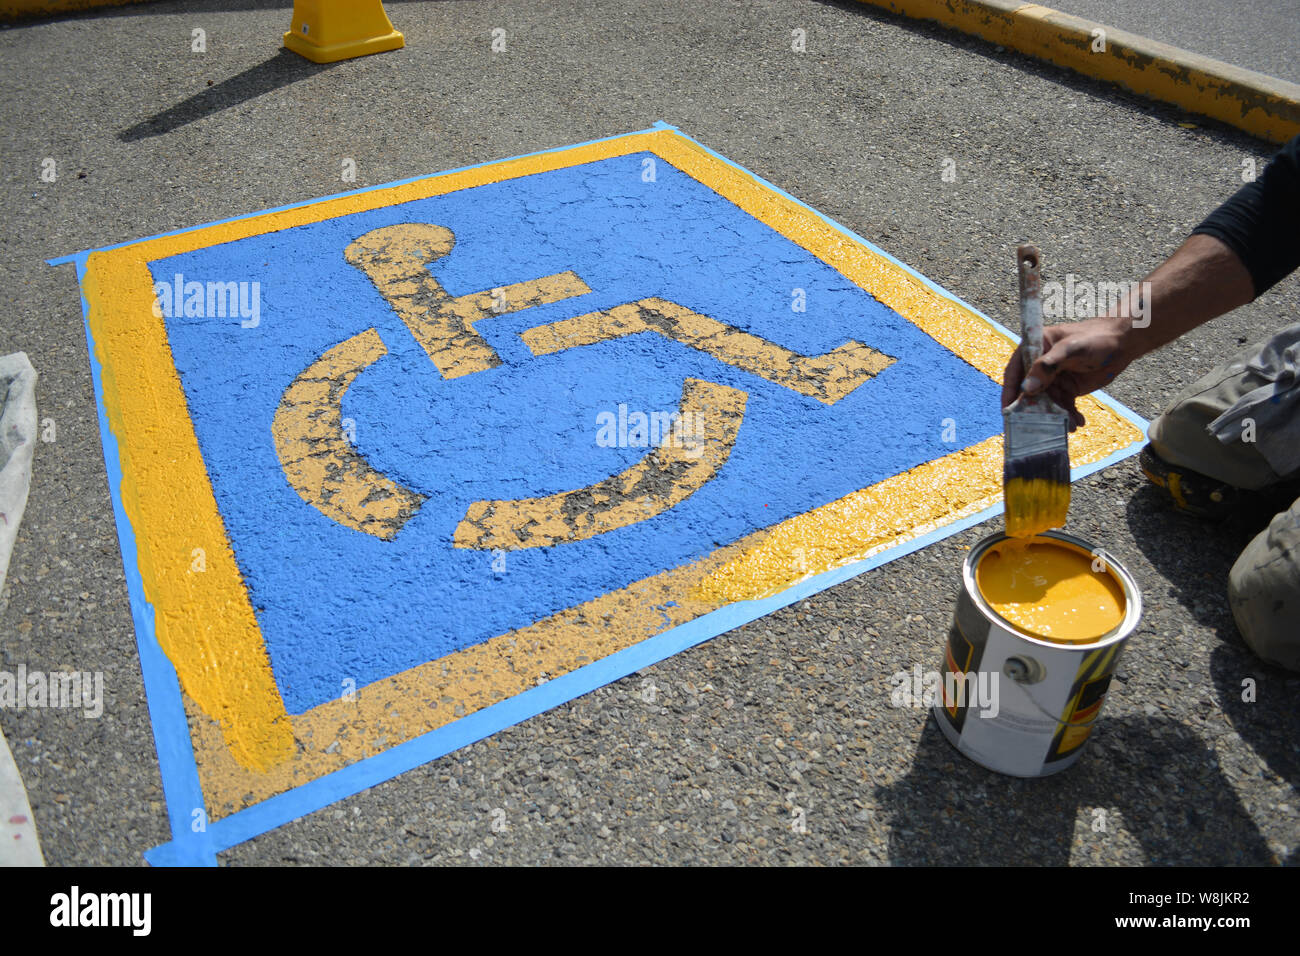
[[318, 460], [310, 644], [396, 258], [827, 378], [661, 480]]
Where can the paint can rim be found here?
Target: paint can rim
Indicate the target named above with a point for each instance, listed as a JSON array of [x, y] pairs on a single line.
[[1132, 595]]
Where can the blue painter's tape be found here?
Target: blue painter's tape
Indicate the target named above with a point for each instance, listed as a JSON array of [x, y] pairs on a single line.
[[320, 793]]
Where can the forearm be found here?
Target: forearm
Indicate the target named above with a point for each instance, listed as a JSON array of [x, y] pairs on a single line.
[[1202, 280], [1241, 249]]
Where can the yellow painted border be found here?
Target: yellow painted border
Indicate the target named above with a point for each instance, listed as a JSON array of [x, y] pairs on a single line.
[[1258, 104], [19, 9], [247, 748]]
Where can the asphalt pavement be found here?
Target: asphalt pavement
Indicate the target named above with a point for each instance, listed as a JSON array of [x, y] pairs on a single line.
[[1260, 35], [773, 743]]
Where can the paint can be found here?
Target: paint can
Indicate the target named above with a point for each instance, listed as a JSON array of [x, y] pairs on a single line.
[[1016, 701]]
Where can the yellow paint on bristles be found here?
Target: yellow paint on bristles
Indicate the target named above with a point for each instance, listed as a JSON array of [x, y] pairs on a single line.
[[1035, 505]]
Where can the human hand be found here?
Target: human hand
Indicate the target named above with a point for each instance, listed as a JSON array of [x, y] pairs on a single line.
[[1078, 357]]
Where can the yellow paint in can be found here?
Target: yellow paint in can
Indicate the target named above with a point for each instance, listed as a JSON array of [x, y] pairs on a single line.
[[1051, 589]]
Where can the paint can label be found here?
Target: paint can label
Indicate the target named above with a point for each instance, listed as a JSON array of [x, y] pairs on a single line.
[[1087, 694], [961, 657]]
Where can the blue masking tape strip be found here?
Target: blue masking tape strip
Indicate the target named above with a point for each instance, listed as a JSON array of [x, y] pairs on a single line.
[[320, 793], [1125, 413]]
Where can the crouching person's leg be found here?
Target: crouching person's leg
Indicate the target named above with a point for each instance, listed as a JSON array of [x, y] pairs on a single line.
[[1180, 439], [1264, 590]]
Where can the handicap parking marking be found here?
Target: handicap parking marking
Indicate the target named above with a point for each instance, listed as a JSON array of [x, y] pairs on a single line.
[[451, 451], [397, 260]]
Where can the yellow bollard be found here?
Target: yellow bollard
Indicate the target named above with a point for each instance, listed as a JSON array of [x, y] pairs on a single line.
[[328, 30]]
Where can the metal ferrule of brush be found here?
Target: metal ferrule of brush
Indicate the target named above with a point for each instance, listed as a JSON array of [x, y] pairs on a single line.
[[1031, 433]]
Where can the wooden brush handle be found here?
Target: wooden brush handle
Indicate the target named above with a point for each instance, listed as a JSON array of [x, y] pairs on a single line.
[[1031, 304]]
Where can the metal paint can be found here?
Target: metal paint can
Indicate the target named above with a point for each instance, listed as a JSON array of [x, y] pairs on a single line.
[[1049, 694]]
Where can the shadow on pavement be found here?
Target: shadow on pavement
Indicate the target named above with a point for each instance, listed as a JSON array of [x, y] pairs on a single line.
[[280, 70], [1270, 723], [1194, 555], [1161, 779]]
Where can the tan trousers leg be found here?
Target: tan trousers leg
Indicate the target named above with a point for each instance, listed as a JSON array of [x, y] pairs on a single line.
[[1264, 584], [1179, 436], [1264, 590]]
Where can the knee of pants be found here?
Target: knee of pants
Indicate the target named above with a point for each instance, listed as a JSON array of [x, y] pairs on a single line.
[[1180, 438], [1264, 592]]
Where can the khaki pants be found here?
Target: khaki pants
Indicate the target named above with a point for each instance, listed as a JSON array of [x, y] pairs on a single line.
[[1264, 583]]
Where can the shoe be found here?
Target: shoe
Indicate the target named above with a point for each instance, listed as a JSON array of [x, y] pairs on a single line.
[[1191, 491]]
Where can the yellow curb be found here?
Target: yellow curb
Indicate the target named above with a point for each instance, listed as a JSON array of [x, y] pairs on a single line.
[[1261, 105], [19, 9]]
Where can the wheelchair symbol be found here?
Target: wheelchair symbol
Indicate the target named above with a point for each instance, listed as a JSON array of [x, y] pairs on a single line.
[[329, 474]]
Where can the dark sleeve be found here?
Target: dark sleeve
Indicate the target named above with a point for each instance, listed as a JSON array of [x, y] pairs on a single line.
[[1261, 222]]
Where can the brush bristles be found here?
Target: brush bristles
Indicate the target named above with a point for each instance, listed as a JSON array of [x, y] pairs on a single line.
[[1037, 492]]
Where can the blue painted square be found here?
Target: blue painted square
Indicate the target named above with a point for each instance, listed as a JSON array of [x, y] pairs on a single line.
[[334, 604]]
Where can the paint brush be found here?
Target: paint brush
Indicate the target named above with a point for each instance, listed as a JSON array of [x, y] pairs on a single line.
[[1036, 470]]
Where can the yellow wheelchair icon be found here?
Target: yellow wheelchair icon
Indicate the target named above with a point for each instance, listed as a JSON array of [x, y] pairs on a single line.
[[327, 472]]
